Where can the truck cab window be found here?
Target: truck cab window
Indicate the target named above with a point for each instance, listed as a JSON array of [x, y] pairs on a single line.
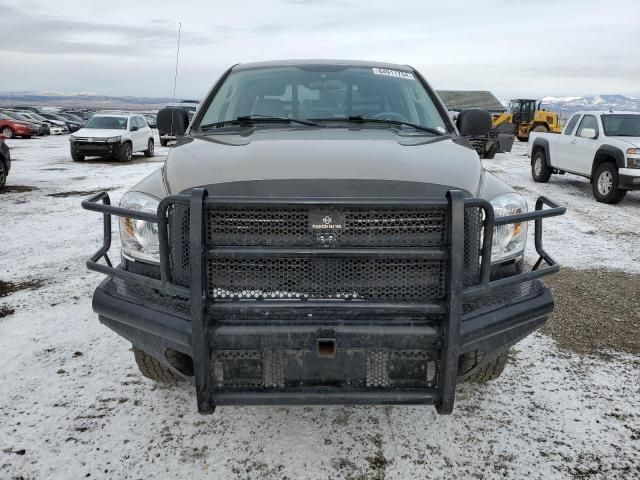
[[572, 124]]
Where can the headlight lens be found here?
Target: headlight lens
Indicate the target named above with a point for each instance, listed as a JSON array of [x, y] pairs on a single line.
[[139, 238], [633, 158], [114, 139], [72, 138], [508, 240]]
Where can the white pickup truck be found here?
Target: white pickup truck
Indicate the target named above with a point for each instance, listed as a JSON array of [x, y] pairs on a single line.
[[601, 146]]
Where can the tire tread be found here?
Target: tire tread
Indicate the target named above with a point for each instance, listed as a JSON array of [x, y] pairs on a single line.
[[152, 368]]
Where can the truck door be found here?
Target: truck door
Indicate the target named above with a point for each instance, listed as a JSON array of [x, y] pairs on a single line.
[[564, 142], [583, 149]]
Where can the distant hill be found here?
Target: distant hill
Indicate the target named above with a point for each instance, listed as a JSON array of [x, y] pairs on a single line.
[[81, 100]]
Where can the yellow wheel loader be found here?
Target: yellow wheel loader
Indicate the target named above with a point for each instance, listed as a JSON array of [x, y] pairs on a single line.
[[527, 116]]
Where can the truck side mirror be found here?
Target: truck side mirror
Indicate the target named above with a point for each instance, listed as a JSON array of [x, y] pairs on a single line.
[[588, 133], [173, 121], [474, 121]]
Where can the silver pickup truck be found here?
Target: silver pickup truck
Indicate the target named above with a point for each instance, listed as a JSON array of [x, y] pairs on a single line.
[[601, 146], [323, 233]]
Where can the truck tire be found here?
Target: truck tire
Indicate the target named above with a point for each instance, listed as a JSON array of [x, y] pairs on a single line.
[[125, 152], [540, 171], [540, 128], [486, 372], [3, 175], [491, 153], [76, 157], [605, 184], [149, 151], [152, 368]]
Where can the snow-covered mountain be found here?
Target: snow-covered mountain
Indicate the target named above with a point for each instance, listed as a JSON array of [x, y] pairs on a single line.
[[597, 102]]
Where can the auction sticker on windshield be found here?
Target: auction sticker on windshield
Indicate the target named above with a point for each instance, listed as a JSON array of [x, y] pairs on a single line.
[[393, 73]]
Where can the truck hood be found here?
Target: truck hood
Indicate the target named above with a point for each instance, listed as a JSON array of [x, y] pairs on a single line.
[[321, 154], [632, 141]]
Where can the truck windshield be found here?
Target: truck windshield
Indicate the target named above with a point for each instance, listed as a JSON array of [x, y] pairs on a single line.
[[108, 123], [325, 92], [621, 125]]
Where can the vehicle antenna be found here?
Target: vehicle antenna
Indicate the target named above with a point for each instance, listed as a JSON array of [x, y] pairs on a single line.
[[175, 77]]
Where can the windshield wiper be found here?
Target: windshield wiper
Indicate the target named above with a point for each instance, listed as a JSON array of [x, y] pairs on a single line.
[[253, 119], [361, 119]]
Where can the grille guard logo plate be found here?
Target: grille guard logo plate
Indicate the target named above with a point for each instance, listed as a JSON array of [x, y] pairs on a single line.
[[326, 221]]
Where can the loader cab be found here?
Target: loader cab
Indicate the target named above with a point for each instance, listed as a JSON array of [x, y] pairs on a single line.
[[523, 110]]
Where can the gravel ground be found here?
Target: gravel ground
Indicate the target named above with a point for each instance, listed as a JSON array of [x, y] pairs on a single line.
[[597, 311], [73, 404]]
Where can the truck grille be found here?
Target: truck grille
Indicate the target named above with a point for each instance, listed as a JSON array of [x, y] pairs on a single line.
[[341, 277]]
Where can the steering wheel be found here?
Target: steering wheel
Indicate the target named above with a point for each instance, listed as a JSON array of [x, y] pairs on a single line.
[[389, 116]]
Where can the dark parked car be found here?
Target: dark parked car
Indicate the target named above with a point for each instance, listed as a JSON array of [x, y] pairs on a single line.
[[71, 126], [83, 114], [72, 118], [5, 162], [323, 233], [10, 127]]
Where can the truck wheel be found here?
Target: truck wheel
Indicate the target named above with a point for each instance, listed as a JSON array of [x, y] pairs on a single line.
[[153, 369], [540, 128], [540, 171], [605, 184], [7, 132], [76, 157], [492, 152], [3, 175], [164, 142], [149, 151], [125, 152], [488, 371]]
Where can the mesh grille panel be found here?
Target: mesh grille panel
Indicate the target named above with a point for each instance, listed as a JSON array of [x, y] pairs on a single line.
[[314, 278], [473, 217], [180, 252], [289, 226], [325, 278]]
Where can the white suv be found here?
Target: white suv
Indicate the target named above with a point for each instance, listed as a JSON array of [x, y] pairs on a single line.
[[116, 136]]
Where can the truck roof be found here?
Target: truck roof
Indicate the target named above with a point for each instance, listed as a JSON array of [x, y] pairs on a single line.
[[297, 63], [601, 112]]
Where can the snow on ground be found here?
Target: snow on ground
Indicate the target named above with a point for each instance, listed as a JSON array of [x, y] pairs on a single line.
[[73, 405]]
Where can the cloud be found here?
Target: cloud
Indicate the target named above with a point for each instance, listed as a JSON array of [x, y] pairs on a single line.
[[25, 31]]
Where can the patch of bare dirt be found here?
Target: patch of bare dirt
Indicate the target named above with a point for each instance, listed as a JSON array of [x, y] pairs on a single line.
[[5, 311], [17, 189], [75, 193], [596, 310], [7, 288]]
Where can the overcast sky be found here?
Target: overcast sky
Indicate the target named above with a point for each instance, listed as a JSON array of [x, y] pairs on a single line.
[[511, 47]]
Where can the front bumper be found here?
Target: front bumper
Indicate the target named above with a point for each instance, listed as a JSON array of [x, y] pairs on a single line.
[[314, 351], [99, 149], [629, 178], [407, 351]]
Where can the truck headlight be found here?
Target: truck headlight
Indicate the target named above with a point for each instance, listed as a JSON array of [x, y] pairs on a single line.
[[139, 238], [509, 240], [633, 158], [114, 139]]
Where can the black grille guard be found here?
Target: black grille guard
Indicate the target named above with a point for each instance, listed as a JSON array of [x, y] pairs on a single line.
[[456, 292]]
